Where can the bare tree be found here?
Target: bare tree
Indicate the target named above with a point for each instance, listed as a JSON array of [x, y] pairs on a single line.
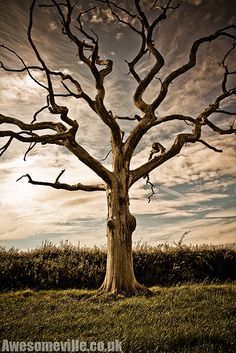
[[143, 21]]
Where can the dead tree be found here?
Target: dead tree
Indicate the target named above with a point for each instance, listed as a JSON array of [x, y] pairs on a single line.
[[116, 183]]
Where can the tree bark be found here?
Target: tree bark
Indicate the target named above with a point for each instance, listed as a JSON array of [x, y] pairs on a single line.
[[121, 224]]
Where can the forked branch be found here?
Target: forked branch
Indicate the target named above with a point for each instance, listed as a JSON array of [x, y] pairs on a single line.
[[150, 120], [64, 137], [91, 62]]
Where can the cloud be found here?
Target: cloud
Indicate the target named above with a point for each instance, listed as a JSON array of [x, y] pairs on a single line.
[[20, 88], [202, 231], [163, 203], [99, 15], [21, 228], [52, 26], [195, 164], [119, 35], [229, 213]]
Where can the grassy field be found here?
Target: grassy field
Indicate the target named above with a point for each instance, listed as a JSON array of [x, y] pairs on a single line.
[[191, 318]]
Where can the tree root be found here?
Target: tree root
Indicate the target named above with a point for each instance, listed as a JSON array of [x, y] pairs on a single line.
[[138, 290]]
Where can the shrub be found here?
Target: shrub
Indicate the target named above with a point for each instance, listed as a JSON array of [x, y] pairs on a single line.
[[67, 266]]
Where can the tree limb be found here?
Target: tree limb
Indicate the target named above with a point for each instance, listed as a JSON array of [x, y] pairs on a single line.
[[155, 162], [225, 66], [63, 137], [152, 186], [144, 125], [190, 64], [31, 146], [32, 137], [149, 120], [79, 94], [149, 42], [221, 111], [209, 146], [99, 75], [135, 118], [213, 108], [59, 127], [64, 186], [5, 147], [88, 160], [25, 67]]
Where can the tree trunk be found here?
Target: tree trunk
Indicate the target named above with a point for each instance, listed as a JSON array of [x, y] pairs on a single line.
[[121, 224]]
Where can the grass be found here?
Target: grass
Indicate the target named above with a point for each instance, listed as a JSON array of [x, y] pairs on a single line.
[[190, 318]]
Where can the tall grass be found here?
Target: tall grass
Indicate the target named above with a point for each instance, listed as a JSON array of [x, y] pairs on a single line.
[[68, 266]]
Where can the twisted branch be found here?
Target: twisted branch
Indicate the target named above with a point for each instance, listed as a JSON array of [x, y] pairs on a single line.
[[190, 64], [99, 75], [152, 186]]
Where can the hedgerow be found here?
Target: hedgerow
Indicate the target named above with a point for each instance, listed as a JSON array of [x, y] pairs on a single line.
[[68, 266]]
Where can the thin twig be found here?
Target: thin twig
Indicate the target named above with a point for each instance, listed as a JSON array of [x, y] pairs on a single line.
[[209, 146], [106, 156], [31, 146], [60, 174], [151, 186]]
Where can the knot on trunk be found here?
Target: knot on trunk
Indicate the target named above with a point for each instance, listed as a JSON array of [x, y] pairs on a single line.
[[132, 223], [111, 223]]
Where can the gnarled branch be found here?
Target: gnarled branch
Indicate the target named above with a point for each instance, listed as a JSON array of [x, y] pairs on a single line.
[[99, 75], [59, 127], [64, 186], [190, 64], [179, 142], [63, 137], [145, 125]]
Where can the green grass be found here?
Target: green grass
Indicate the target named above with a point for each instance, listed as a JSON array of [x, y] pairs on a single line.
[[191, 318]]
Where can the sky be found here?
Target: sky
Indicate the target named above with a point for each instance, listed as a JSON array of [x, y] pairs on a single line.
[[195, 191]]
